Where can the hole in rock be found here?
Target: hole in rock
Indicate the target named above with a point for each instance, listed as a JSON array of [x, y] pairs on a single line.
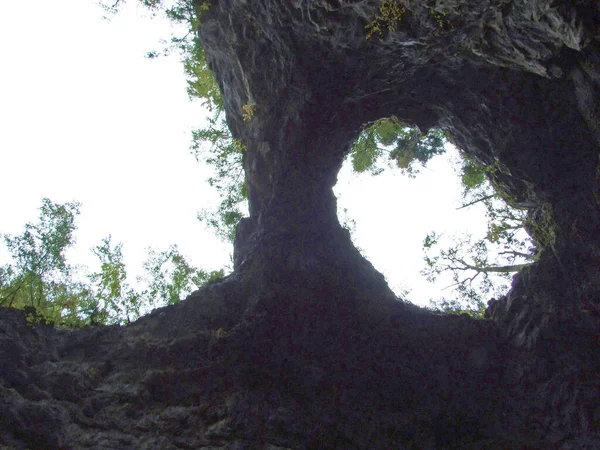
[[427, 217]]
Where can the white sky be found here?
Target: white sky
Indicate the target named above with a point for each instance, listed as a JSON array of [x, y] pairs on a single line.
[[85, 116]]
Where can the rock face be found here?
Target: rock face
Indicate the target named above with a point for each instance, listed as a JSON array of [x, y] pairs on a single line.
[[304, 346]]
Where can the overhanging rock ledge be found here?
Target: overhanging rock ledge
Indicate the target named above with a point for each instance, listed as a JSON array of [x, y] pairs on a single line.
[[304, 346]]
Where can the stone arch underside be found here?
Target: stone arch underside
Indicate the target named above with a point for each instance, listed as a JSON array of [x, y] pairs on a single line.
[[304, 345]]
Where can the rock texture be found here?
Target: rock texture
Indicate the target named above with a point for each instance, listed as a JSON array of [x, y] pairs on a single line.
[[304, 346]]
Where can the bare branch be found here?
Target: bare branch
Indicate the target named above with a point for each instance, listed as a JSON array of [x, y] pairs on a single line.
[[498, 269], [516, 253], [487, 197]]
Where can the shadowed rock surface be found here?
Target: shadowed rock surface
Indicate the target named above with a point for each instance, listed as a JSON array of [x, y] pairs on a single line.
[[304, 346]]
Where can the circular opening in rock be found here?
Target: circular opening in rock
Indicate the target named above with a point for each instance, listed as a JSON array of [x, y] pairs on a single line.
[[427, 217]]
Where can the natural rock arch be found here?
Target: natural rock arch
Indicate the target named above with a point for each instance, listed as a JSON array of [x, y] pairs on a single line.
[[513, 84], [304, 345]]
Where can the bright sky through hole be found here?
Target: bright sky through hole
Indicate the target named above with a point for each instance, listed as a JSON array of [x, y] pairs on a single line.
[[85, 116]]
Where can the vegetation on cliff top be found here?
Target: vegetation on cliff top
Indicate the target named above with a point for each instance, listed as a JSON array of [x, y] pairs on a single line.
[[41, 278]]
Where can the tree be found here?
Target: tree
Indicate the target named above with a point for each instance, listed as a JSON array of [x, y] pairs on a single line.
[[169, 276], [478, 267], [472, 265], [40, 276], [482, 267], [113, 300], [74, 298], [39, 264], [216, 147], [405, 146]]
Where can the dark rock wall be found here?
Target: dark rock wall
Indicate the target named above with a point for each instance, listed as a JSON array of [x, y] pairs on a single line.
[[514, 83], [305, 346], [307, 366]]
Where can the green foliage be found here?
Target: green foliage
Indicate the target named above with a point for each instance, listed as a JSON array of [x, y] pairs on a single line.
[[473, 175], [470, 264], [506, 223], [76, 301], [239, 145], [202, 84], [404, 146], [169, 277], [41, 279], [38, 256], [33, 317], [365, 153], [413, 146], [40, 249], [200, 79], [390, 15], [113, 6], [114, 301], [475, 310], [177, 11], [184, 11], [482, 267], [216, 146]]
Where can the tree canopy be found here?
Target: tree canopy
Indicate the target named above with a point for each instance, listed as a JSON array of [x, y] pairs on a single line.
[[405, 146], [480, 267], [41, 278]]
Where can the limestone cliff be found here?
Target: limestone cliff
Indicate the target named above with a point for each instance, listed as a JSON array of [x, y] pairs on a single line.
[[304, 346]]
